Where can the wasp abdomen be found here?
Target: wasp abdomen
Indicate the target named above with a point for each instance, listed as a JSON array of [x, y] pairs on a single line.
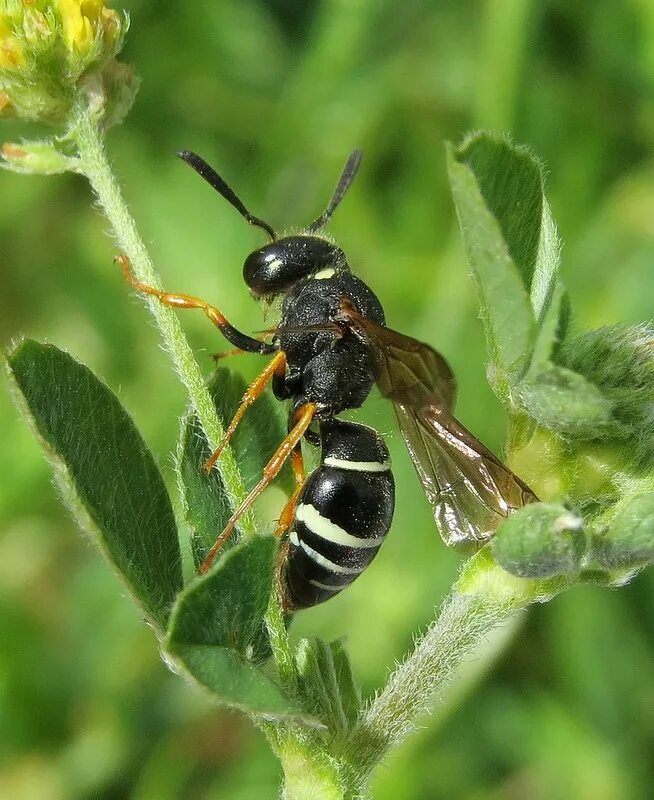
[[343, 514]]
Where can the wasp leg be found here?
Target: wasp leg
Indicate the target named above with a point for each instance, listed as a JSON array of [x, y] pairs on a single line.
[[240, 340], [280, 581], [276, 366], [304, 417], [288, 513], [227, 354], [237, 350]]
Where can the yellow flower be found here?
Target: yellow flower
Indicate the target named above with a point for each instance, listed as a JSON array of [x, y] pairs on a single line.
[[84, 20], [52, 52], [11, 54]]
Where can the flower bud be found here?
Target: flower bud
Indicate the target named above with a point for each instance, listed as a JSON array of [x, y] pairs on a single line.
[[37, 158], [628, 540], [540, 541], [52, 50]]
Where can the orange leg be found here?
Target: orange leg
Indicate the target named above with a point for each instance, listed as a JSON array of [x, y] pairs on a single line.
[[288, 512], [304, 417], [276, 367], [280, 582], [238, 339]]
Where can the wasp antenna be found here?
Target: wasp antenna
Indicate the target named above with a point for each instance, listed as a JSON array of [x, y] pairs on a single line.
[[213, 179], [347, 176]]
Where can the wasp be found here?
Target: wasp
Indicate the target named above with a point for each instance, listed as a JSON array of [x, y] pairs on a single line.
[[328, 350]]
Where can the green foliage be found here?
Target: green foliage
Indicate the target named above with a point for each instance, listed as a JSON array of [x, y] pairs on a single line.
[[628, 540], [326, 684], [565, 402], [105, 471], [217, 633], [513, 248], [225, 623], [540, 541], [395, 80], [206, 505], [619, 360], [586, 389]]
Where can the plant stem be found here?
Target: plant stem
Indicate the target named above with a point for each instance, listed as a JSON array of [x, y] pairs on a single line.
[[484, 597], [94, 164]]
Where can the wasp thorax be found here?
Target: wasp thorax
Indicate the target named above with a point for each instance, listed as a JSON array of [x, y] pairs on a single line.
[[274, 268]]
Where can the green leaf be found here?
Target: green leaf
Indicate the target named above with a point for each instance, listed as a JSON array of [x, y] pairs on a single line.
[[227, 605], [231, 681], [541, 540], [551, 331], [619, 360], [217, 633], [260, 432], [326, 684], [566, 403], [629, 538], [548, 258], [349, 692], [512, 245], [106, 472]]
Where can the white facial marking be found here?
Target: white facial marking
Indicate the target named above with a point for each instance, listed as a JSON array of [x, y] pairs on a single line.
[[324, 274], [357, 466], [293, 539], [326, 529]]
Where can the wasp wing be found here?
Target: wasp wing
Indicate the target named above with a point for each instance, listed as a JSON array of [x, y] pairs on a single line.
[[469, 488]]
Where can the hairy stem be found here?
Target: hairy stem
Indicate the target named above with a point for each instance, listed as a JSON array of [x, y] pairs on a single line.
[[484, 597], [94, 164]]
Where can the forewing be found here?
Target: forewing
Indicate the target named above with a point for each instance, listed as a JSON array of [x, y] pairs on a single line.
[[469, 488], [407, 371]]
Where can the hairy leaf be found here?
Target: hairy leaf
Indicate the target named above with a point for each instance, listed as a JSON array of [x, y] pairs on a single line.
[[261, 430], [619, 360], [217, 632], [565, 402], [105, 470], [628, 540], [541, 540], [326, 684], [512, 245]]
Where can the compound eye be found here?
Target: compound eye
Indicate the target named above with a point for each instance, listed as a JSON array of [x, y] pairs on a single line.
[[261, 271]]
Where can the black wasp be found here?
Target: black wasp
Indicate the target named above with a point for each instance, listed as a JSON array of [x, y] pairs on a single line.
[[330, 347]]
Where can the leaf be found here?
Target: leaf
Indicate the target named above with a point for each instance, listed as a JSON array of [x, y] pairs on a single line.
[[628, 540], [548, 260], [217, 633], [348, 690], [227, 605], [541, 540], [260, 432], [106, 472], [619, 360], [233, 682], [566, 403], [326, 684], [512, 245]]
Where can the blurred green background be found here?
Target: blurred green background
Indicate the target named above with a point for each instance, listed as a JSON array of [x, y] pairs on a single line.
[[276, 94]]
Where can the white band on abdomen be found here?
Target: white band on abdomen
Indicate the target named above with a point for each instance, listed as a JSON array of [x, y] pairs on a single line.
[[321, 560], [326, 529], [357, 466]]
